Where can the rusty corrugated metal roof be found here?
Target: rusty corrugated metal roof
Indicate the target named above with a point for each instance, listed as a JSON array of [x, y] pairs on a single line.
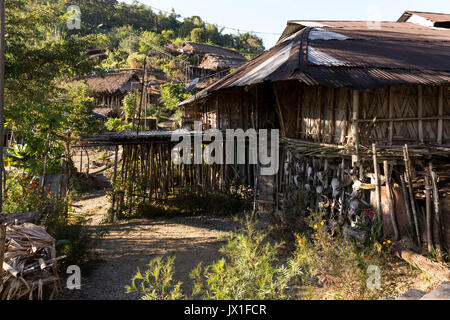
[[432, 16], [354, 54]]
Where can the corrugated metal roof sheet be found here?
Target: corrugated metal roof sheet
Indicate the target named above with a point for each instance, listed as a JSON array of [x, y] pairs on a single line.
[[350, 54]]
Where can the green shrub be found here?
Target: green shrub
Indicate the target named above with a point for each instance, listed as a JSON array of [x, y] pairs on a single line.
[[339, 264], [249, 269], [157, 282], [74, 240], [117, 124]]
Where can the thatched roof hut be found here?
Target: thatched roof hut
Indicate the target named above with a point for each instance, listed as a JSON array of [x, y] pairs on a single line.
[[202, 49], [217, 62], [112, 83]]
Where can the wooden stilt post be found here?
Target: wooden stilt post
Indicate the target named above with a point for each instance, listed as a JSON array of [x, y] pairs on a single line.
[[390, 200], [437, 218], [407, 203], [113, 216], [428, 189], [411, 194], [355, 133], [377, 183]]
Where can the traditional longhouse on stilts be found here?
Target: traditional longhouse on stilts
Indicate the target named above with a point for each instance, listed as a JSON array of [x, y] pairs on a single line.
[[363, 110]]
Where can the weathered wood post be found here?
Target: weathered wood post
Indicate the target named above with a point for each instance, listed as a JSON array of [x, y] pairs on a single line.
[[377, 183], [355, 133], [113, 214], [437, 214], [390, 200], [428, 189]]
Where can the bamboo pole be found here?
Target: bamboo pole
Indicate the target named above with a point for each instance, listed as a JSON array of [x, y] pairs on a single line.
[[377, 183], [428, 189], [390, 200], [411, 194], [112, 217], [437, 218], [407, 203], [355, 116]]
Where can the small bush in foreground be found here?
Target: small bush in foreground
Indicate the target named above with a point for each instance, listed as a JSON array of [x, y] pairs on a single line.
[[248, 270], [157, 282], [340, 264]]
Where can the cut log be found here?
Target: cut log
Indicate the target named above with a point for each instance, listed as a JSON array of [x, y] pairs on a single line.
[[434, 269]]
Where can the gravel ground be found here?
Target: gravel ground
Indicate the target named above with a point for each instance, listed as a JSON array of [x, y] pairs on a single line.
[[132, 244]]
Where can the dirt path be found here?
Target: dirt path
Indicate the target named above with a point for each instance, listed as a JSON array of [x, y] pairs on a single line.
[[132, 244]]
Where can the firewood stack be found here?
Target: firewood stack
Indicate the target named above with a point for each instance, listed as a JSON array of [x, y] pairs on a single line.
[[29, 263]]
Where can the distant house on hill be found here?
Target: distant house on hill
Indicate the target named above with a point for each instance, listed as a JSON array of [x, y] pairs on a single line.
[[111, 89], [211, 59]]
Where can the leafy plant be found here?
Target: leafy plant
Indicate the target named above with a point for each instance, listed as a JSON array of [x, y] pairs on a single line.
[[117, 124], [248, 270], [157, 282]]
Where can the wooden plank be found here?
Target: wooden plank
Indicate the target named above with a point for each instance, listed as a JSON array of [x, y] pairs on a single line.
[[390, 200]]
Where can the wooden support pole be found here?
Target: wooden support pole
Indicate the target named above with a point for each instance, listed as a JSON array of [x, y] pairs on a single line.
[[407, 203], [112, 216], [377, 183], [343, 108], [390, 200], [440, 113], [355, 116], [437, 214], [411, 194], [420, 113], [428, 189]]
